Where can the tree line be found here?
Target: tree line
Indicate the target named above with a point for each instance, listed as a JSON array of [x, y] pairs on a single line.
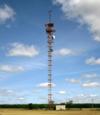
[[45, 106]]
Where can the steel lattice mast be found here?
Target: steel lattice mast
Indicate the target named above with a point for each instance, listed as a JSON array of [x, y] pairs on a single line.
[[50, 31]]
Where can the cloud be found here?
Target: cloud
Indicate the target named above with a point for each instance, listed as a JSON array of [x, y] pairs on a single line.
[[86, 98], [93, 95], [46, 85], [83, 11], [90, 75], [87, 95], [73, 81], [91, 85], [6, 92], [37, 65], [64, 52], [62, 92], [93, 61], [18, 49], [11, 69], [6, 13], [21, 98]]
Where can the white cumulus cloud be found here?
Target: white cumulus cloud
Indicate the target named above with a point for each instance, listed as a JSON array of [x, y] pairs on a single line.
[[85, 12], [11, 68], [73, 81], [91, 85], [93, 95], [93, 61], [21, 98], [18, 49], [90, 75], [46, 85], [62, 92], [6, 13], [64, 52]]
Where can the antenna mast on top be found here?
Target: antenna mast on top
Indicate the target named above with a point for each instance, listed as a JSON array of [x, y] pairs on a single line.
[[50, 15]]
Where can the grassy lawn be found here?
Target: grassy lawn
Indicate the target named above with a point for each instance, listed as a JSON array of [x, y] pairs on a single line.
[[39, 112]]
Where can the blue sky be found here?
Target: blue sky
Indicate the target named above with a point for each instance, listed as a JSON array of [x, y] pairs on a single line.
[[23, 51]]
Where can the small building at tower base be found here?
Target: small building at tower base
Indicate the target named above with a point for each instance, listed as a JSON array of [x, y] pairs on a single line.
[[60, 107]]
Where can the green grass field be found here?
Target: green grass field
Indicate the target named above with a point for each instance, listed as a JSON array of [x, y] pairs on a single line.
[[40, 112]]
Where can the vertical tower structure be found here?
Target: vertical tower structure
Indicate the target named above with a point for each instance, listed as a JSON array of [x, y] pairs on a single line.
[[50, 32]]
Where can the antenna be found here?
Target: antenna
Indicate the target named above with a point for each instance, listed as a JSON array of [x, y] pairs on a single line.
[[50, 15], [50, 30]]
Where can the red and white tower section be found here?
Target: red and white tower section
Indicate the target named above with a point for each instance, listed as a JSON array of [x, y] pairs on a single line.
[[50, 32]]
